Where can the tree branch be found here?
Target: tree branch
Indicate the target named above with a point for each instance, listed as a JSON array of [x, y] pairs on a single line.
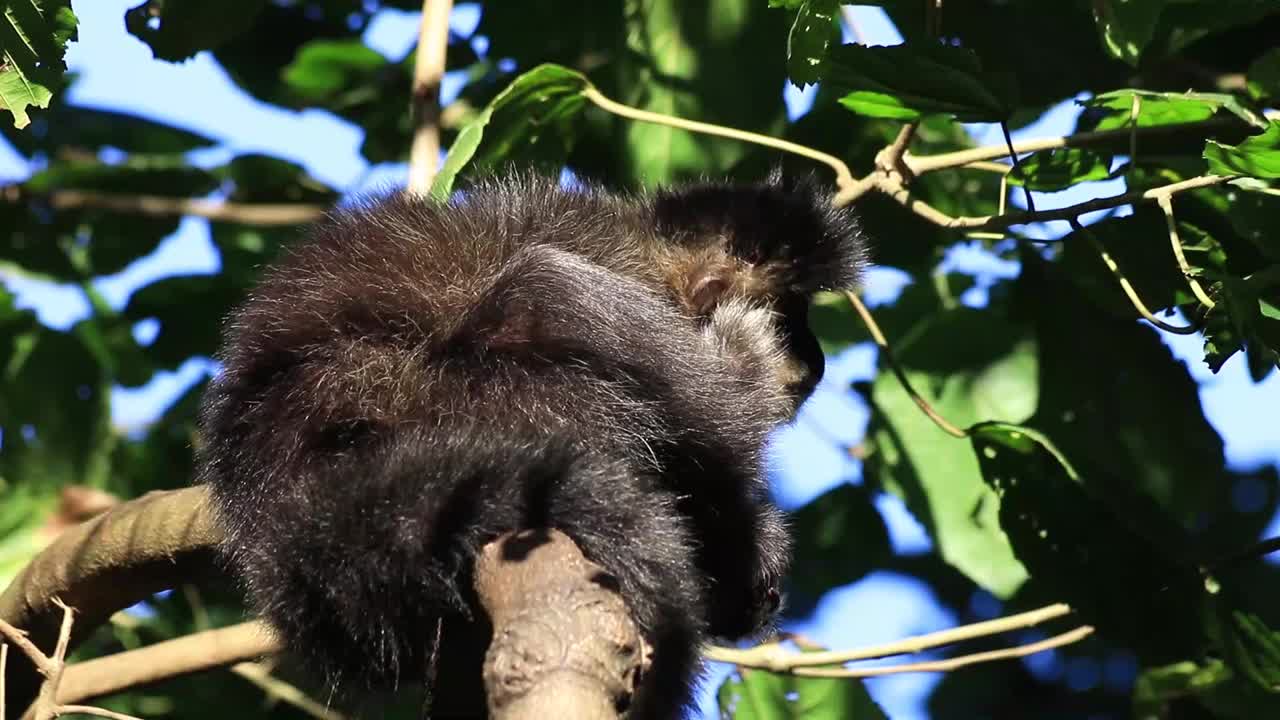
[[266, 214], [564, 644], [104, 565], [428, 71], [165, 660]]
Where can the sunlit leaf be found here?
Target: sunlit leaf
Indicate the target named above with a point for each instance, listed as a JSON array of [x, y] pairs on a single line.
[[536, 109], [815, 29], [1258, 156], [33, 38], [1126, 26]]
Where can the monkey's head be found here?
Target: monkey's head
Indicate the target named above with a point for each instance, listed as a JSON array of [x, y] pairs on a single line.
[[776, 243]]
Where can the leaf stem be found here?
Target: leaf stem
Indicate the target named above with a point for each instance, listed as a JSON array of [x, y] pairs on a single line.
[[878, 336], [1127, 287], [1165, 200], [844, 177]]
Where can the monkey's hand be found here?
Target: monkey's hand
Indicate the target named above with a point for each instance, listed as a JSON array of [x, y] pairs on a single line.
[[747, 337]]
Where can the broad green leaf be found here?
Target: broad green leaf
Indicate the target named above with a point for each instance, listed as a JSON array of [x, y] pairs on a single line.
[[1126, 26], [534, 111], [1264, 76], [970, 367], [1166, 108], [93, 129], [813, 32], [1257, 156], [839, 537], [1081, 551], [33, 38], [676, 57], [760, 695], [324, 68], [178, 29], [1114, 415], [906, 82], [1059, 169]]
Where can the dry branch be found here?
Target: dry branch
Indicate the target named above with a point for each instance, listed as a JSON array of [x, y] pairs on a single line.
[[428, 71], [186, 655]]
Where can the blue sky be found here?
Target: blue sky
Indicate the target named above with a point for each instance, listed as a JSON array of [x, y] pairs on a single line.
[[117, 72]]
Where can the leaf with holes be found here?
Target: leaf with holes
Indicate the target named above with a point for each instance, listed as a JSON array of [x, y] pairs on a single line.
[[814, 31], [1080, 551]]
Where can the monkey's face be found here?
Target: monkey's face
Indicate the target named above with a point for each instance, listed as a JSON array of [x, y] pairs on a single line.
[[805, 363]]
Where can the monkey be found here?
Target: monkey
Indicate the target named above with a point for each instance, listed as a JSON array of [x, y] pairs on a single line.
[[414, 378]]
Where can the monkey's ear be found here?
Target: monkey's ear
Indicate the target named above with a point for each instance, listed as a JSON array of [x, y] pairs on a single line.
[[706, 287]]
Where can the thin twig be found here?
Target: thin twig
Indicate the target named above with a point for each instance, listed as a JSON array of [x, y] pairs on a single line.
[[773, 657], [428, 71], [4, 668], [1127, 287], [960, 158], [844, 177], [995, 222], [90, 710], [1165, 200], [955, 663], [19, 638], [887, 351]]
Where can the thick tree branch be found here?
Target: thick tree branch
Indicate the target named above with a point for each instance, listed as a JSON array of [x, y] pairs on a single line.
[[104, 565], [564, 644], [428, 71]]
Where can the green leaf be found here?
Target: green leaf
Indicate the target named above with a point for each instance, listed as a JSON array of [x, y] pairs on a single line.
[[1264, 76], [970, 367], [675, 58], [813, 32], [325, 68], [1139, 245], [1156, 688], [1080, 551], [906, 82], [535, 111], [1114, 415], [1252, 649], [760, 695], [93, 129], [1166, 108], [839, 537], [1257, 156], [1126, 26], [33, 39], [1061, 168], [178, 29]]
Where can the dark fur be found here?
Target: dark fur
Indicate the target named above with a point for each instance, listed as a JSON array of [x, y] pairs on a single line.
[[414, 380]]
